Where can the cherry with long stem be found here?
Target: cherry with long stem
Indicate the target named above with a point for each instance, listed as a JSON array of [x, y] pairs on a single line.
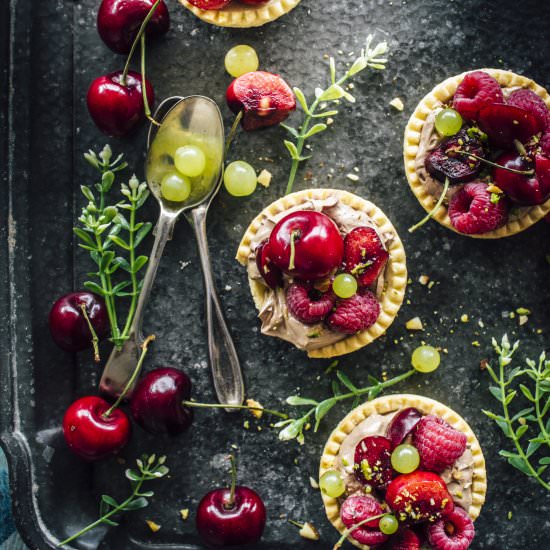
[[350, 530], [494, 164], [133, 378]]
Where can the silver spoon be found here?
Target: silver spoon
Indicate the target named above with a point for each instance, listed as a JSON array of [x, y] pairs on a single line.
[[192, 120]]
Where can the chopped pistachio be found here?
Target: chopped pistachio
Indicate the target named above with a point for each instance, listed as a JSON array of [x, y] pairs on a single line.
[[464, 318], [308, 531], [523, 311], [476, 344], [246, 424]]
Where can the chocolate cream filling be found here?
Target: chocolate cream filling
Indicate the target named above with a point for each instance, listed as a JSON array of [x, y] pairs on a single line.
[[274, 314]]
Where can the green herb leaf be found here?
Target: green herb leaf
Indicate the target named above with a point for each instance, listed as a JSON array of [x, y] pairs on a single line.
[[298, 401], [109, 500], [119, 242], [142, 233], [322, 409], [346, 381], [94, 287], [316, 129], [292, 149], [139, 263], [136, 504], [301, 99]]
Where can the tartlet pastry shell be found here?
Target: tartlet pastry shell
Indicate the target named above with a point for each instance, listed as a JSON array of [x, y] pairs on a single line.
[[395, 273], [442, 93], [243, 15], [387, 404]]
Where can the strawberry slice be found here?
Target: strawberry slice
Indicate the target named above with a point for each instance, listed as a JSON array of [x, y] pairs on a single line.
[[265, 99], [419, 496], [372, 461], [364, 255], [505, 123], [210, 4], [270, 273]]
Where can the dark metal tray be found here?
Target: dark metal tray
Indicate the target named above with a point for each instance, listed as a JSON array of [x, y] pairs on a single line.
[[49, 53]]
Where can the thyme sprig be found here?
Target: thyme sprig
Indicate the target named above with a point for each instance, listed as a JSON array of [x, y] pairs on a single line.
[[531, 455], [293, 428], [148, 468], [102, 225], [371, 57]]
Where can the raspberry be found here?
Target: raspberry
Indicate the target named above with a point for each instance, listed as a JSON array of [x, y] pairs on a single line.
[[455, 531], [372, 461], [477, 90], [530, 101], [364, 255], [307, 304], [438, 443], [420, 496], [404, 540], [358, 508], [355, 314], [472, 212], [444, 162]]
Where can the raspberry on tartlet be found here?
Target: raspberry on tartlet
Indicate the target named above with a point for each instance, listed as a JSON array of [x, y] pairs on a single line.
[[326, 269], [497, 115], [428, 502]]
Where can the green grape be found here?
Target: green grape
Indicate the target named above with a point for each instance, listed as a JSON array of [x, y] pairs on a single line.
[[425, 359], [332, 484], [388, 524], [175, 187], [344, 285], [190, 160], [405, 459], [240, 179], [240, 60], [448, 122]]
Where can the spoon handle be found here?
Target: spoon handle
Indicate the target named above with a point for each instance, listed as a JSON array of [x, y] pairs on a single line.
[[226, 369], [122, 361]]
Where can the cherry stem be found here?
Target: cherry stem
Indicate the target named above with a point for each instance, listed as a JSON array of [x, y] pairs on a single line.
[[349, 530], [520, 148], [95, 339], [133, 378], [229, 505], [136, 41], [146, 107], [432, 212], [491, 163], [293, 236], [233, 131], [296, 523], [228, 406]]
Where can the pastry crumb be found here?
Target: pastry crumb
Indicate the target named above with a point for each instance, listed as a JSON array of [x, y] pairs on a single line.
[[414, 324], [309, 532], [257, 405], [152, 525], [523, 319], [423, 279], [352, 177], [464, 318], [184, 513], [265, 178], [313, 483], [397, 103]]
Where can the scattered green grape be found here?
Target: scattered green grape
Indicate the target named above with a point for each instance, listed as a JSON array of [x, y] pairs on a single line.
[[240, 179], [344, 285], [332, 484], [175, 187], [388, 524], [448, 122], [240, 60], [405, 459], [190, 160], [425, 359]]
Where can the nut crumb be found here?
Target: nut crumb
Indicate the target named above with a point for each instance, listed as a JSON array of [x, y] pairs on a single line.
[[254, 403], [414, 324], [265, 178], [397, 103], [313, 483], [423, 279], [464, 318], [152, 525], [352, 177], [184, 513], [308, 531]]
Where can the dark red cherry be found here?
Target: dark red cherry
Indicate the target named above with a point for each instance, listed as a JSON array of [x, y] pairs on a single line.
[[505, 123], [522, 189], [90, 433], [402, 424], [306, 244], [270, 273], [231, 517], [372, 461], [118, 22], [117, 107], [157, 401], [68, 325]]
